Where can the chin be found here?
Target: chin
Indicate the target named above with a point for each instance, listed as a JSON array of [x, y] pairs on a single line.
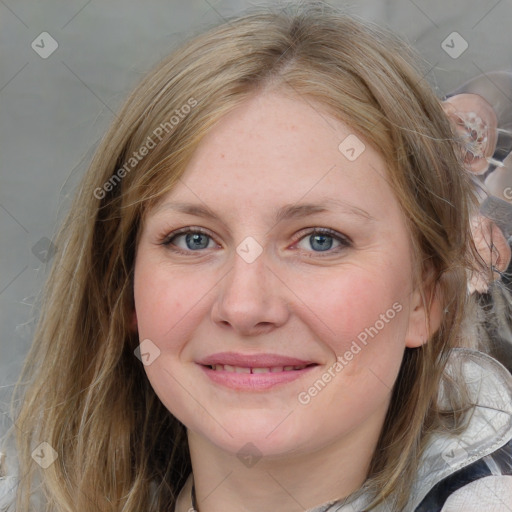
[[269, 436]]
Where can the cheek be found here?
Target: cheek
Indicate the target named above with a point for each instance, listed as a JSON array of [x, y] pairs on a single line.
[[361, 301], [164, 298], [166, 303], [366, 313], [365, 318]]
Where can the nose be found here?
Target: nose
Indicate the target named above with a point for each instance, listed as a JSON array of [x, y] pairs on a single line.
[[252, 297]]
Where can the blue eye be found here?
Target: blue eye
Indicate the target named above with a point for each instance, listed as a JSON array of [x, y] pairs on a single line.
[[194, 240], [320, 239], [321, 242]]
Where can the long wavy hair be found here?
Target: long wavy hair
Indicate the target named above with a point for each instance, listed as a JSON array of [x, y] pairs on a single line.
[[84, 392]]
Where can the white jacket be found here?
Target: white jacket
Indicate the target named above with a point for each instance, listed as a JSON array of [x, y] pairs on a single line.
[[468, 473]]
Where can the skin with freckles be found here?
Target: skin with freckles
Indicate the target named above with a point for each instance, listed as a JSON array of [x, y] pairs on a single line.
[[306, 296]]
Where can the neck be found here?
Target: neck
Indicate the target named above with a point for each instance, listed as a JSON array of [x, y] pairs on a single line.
[[226, 483]]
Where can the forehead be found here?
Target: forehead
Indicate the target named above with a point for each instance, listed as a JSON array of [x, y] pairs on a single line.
[[275, 149]]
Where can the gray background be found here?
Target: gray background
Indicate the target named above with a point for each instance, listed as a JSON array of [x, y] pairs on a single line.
[[54, 110]]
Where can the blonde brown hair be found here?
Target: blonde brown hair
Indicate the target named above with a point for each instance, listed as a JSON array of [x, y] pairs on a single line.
[[82, 389]]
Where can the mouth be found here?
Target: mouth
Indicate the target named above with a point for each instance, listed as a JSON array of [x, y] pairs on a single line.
[[245, 369], [256, 372]]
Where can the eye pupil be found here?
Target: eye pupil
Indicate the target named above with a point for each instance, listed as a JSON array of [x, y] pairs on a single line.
[[195, 238], [324, 242]]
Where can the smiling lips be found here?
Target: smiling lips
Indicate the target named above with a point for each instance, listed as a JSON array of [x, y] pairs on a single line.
[[243, 369], [253, 372]]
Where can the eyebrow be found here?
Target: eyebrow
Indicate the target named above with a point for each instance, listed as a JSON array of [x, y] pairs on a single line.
[[286, 212]]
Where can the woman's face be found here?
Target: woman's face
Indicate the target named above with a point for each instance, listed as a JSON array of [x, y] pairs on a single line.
[[257, 330]]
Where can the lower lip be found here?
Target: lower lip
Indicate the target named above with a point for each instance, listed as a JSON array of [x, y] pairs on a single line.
[[254, 381]]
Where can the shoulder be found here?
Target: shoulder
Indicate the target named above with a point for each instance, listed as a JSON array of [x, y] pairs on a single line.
[[491, 493], [476, 465]]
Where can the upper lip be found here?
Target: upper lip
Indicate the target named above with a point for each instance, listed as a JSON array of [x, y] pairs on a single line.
[[252, 360]]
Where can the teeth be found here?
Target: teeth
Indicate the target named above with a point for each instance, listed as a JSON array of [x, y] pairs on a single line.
[[241, 369]]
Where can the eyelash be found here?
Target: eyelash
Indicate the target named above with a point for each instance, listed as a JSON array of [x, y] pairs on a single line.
[[344, 240]]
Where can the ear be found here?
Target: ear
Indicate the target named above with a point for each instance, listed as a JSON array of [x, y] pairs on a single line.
[[420, 329]]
